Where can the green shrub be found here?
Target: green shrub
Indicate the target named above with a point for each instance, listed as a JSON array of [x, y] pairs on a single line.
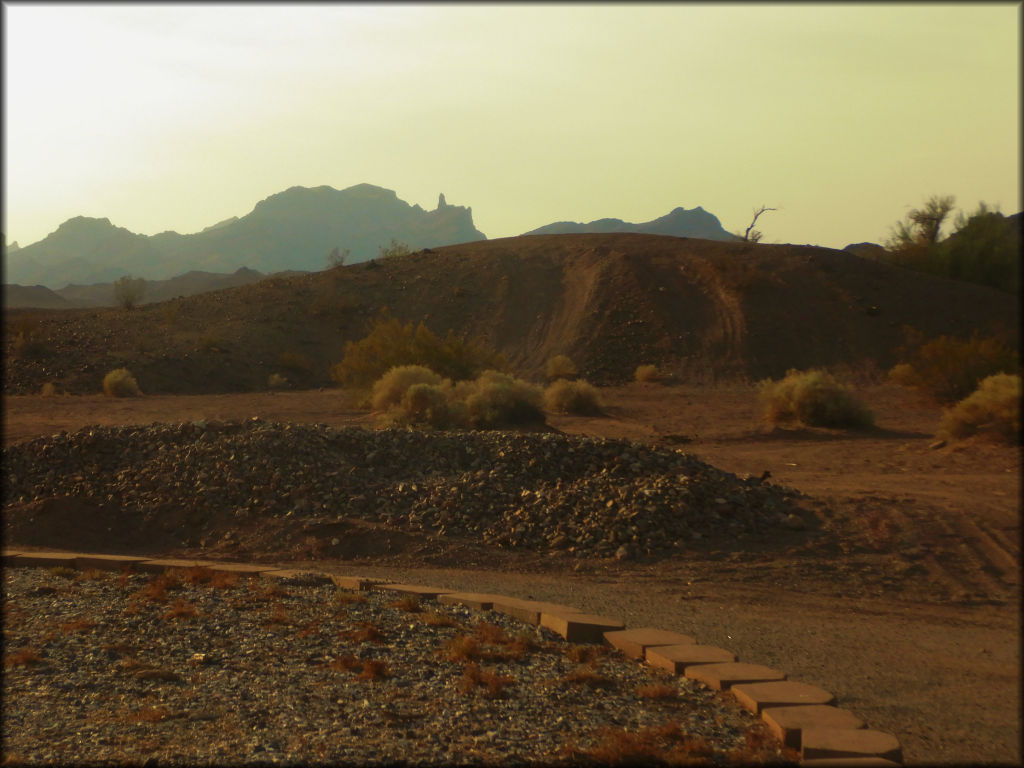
[[993, 408], [647, 373], [390, 344], [496, 399], [120, 383], [276, 381], [577, 397], [813, 398], [560, 367], [949, 369], [390, 388]]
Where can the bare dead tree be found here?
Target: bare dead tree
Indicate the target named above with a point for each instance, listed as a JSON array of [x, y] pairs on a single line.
[[752, 235]]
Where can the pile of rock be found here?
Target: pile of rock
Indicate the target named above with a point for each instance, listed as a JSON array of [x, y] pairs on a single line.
[[594, 497]]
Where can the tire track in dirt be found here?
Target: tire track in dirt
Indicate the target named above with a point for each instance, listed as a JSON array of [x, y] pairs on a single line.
[[959, 554]]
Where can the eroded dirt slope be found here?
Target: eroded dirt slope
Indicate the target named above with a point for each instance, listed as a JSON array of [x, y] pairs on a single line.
[[702, 310]]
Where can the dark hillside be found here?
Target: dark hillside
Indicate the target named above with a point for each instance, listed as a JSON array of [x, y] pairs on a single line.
[[702, 309]]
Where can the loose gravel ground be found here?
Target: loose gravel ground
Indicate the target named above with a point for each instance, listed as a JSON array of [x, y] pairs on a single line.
[[534, 491], [114, 668]]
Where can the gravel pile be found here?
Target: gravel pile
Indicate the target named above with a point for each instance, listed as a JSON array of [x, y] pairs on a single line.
[[109, 668], [543, 491]]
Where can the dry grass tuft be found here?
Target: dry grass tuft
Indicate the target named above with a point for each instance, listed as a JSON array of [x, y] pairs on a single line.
[[408, 603], [182, 609], [81, 624], [462, 648], [149, 715], [585, 654], [666, 744], [158, 673], [589, 678], [373, 669], [493, 683], [439, 619], [344, 597], [156, 589], [657, 691], [487, 632], [278, 616], [345, 663], [366, 633], [265, 592], [23, 658], [63, 572]]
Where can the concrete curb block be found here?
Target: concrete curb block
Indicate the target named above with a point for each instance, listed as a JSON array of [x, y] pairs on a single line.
[[801, 715]]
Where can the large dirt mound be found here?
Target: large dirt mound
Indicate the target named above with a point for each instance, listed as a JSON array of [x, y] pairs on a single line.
[[213, 484], [700, 309]]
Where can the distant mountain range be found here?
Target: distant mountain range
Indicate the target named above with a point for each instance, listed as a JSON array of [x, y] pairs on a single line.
[[102, 294], [294, 230], [680, 222]]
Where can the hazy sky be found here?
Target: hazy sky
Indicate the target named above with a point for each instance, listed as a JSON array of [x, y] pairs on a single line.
[[163, 117]]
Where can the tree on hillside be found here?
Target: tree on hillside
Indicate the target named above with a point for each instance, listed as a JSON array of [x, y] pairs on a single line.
[[752, 235], [914, 240], [984, 247], [338, 257], [128, 291]]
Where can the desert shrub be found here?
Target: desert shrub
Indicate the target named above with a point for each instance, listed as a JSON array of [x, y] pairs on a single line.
[[578, 397], [120, 383], [993, 408], [646, 373], [49, 389], [560, 367], [393, 249], [128, 291], [949, 369], [496, 399], [276, 381], [432, 405], [814, 398], [414, 395], [391, 344], [390, 388]]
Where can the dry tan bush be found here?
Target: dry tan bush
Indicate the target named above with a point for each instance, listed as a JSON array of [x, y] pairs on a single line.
[[430, 404], [814, 398], [496, 399], [578, 397], [390, 388], [646, 373], [276, 381], [993, 408], [120, 383], [49, 389], [560, 367]]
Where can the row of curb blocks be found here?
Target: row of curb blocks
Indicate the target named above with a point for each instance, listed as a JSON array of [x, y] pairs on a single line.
[[801, 715]]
